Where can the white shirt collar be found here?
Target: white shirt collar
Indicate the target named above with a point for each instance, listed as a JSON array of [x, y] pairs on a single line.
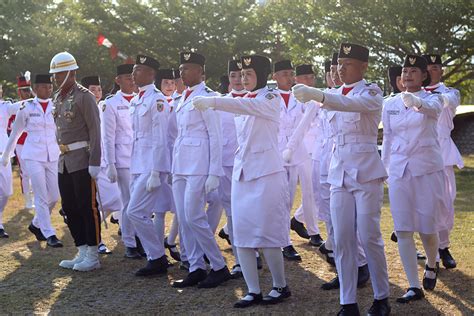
[[352, 85], [145, 88]]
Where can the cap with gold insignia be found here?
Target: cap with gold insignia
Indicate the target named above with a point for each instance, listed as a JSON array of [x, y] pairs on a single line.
[[43, 78], [418, 62], [147, 61], [191, 58], [262, 66], [433, 59], [90, 81], [234, 65], [305, 69], [283, 65], [354, 51]]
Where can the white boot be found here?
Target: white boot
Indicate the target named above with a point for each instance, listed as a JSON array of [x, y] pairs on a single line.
[[80, 256], [90, 262]]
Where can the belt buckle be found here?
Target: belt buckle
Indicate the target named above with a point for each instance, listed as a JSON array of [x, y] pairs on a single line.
[[340, 139], [63, 149]]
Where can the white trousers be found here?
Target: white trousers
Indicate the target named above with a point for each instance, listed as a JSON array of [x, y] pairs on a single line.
[[126, 225], [6, 188], [44, 180], [197, 236], [214, 210], [26, 186], [355, 207], [140, 211], [108, 194], [308, 211]]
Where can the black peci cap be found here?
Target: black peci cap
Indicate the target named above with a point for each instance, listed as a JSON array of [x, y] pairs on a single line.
[[348, 50], [191, 58], [147, 61]]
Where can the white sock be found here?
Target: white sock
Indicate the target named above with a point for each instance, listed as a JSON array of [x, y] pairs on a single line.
[[274, 260], [3, 203], [249, 270], [430, 244], [174, 229], [407, 250]]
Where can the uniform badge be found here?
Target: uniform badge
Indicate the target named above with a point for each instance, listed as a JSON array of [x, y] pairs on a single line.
[[68, 115], [372, 93], [239, 65], [433, 58], [103, 107], [159, 105], [347, 49], [247, 61], [53, 111], [142, 60], [269, 96], [393, 112], [187, 56], [412, 60]]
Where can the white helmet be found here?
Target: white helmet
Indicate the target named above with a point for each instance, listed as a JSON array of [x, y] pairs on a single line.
[[62, 62]]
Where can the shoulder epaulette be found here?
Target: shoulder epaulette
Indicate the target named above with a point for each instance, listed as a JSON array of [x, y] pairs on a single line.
[[82, 88], [177, 98], [208, 90], [270, 89], [435, 92]]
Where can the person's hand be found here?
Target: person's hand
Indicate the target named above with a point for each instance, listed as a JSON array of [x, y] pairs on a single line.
[[94, 171], [287, 155], [410, 100], [212, 183], [153, 181], [304, 94], [111, 173], [203, 103]]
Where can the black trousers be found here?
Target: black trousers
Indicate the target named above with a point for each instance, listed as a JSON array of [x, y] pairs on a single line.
[[78, 200]]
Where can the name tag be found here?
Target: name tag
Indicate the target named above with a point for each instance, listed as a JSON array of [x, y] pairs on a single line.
[[393, 112], [122, 107], [35, 115]]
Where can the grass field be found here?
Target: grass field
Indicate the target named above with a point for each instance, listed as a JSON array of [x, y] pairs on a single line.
[[31, 281]]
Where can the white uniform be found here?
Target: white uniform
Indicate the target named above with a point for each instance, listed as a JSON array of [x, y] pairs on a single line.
[[412, 156], [117, 139], [356, 175], [300, 164], [450, 154], [40, 154], [197, 154], [7, 109], [260, 195], [149, 114]]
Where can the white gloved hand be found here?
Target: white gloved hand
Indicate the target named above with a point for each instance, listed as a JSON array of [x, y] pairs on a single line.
[[94, 171], [304, 94], [111, 173], [212, 183], [5, 159], [153, 181], [410, 100], [287, 155], [203, 103]]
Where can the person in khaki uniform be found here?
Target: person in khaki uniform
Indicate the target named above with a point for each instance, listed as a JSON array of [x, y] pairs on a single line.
[[78, 134]]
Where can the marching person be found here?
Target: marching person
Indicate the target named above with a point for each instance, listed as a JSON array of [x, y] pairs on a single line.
[[412, 156], [150, 193], [450, 153], [78, 135], [395, 77], [117, 139], [92, 83], [356, 175], [40, 153], [197, 166], [7, 109], [260, 195]]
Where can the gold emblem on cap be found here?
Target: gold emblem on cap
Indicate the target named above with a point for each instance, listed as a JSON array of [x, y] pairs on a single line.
[[433, 58], [239, 65], [142, 60], [347, 49], [247, 61], [187, 56], [412, 60]]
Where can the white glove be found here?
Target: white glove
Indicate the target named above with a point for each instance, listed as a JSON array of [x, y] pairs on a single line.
[[5, 159], [153, 181], [94, 171], [203, 103], [111, 173], [287, 155], [410, 100], [304, 94], [212, 183]]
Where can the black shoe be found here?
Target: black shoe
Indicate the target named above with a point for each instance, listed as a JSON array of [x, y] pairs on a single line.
[[417, 295], [132, 253], [119, 231], [103, 250], [37, 232], [330, 260], [299, 228], [363, 275], [291, 254], [257, 298], [113, 220], [379, 308], [331, 285], [140, 248], [316, 240], [191, 279], [54, 242], [284, 293], [184, 265], [323, 249], [394, 237], [259, 263], [236, 272], [3, 233], [174, 252], [429, 284], [420, 256], [215, 278], [154, 267], [446, 258], [225, 236], [63, 214], [349, 310]]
